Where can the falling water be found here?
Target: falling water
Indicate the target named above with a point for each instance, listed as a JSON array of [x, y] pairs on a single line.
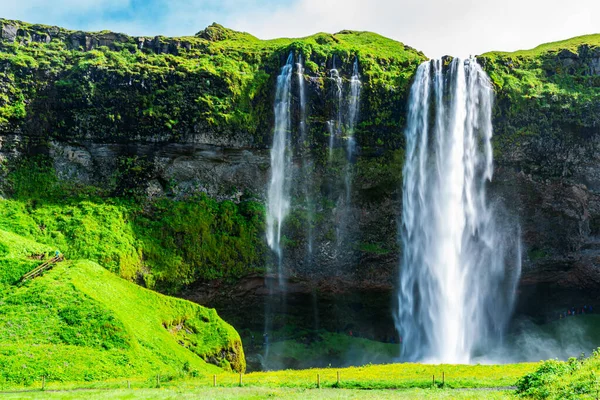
[[335, 126], [306, 159], [278, 205], [459, 265], [278, 196], [353, 105]]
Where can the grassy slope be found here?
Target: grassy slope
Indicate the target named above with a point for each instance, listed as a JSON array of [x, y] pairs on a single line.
[[80, 322], [572, 44]]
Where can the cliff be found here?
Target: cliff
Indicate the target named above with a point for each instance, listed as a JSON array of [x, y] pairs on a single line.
[[547, 128], [142, 128]]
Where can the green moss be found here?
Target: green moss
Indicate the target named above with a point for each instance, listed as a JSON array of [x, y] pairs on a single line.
[[220, 81], [550, 91], [167, 244]]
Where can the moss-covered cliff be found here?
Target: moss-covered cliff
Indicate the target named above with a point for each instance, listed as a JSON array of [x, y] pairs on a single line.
[[168, 118], [167, 139], [547, 132], [218, 84]]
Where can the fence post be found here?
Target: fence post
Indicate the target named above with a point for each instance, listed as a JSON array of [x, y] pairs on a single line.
[[43, 382], [319, 381], [215, 380], [338, 378], [128, 385], [444, 379], [241, 379], [433, 380]]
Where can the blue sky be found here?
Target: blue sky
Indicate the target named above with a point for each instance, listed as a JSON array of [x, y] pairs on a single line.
[[437, 27]]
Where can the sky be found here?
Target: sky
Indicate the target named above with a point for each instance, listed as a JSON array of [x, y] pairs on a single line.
[[436, 27]]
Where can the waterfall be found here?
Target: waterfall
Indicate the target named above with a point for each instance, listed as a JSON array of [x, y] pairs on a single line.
[[306, 159], [335, 126], [459, 264], [278, 193], [353, 107]]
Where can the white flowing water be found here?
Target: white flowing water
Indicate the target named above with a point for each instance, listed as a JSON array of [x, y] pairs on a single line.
[[459, 264], [353, 108], [335, 126], [306, 159], [279, 191]]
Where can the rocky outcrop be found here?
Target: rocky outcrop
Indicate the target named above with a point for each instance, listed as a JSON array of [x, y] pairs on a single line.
[[16, 31]]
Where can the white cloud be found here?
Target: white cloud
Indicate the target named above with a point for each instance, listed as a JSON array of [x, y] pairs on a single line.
[[437, 27]]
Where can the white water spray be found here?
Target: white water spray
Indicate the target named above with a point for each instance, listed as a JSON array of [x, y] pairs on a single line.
[[459, 265], [278, 194]]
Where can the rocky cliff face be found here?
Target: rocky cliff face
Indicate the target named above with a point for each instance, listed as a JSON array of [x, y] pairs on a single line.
[[172, 117], [547, 127]]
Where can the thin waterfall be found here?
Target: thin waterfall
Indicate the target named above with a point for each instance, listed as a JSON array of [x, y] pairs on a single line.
[[278, 205], [335, 126], [460, 265], [353, 108], [279, 191], [306, 159]]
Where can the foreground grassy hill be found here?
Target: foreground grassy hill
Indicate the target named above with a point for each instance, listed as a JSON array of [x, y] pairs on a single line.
[[79, 322]]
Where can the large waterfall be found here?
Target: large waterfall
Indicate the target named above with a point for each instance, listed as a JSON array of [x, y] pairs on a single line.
[[459, 264], [278, 193]]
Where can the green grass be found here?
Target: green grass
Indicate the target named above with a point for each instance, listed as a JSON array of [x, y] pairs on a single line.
[[262, 393], [401, 380], [572, 44], [550, 91], [164, 243], [79, 322]]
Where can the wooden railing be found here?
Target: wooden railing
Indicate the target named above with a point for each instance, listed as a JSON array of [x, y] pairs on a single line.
[[37, 271]]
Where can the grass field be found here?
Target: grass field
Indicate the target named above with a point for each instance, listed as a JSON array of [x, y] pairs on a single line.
[[371, 381], [262, 393]]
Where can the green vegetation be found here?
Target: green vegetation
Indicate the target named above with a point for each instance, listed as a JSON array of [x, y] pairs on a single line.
[[370, 377], [220, 82], [166, 244], [262, 393], [551, 92], [79, 322], [572, 379]]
